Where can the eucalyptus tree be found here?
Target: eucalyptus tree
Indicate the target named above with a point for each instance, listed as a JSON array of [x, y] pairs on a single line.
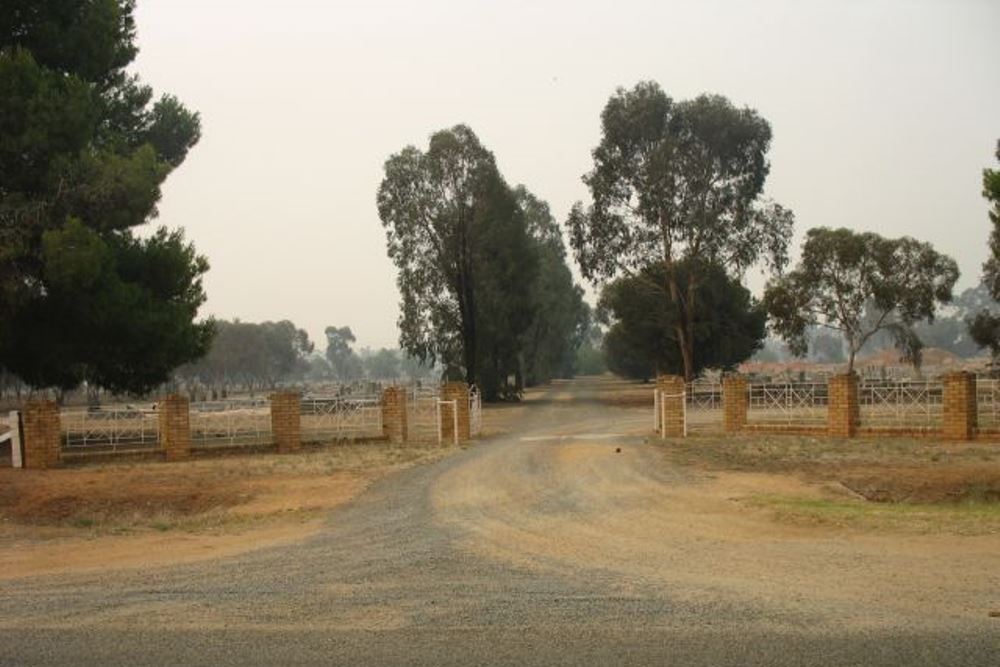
[[677, 181], [343, 359], [458, 237], [559, 314], [429, 203], [985, 326], [84, 150], [641, 338], [860, 284]]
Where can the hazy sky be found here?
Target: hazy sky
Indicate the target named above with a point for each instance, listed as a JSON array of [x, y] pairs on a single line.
[[884, 115]]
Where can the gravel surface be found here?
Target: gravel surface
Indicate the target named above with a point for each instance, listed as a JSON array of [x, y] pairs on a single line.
[[541, 547]]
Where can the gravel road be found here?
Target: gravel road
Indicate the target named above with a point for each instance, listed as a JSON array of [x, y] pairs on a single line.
[[541, 547]]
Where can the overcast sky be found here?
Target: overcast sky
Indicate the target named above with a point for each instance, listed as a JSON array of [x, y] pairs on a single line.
[[884, 115]]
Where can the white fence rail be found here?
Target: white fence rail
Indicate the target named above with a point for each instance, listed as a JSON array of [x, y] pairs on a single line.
[[988, 403], [703, 409], [907, 405], [10, 434], [230, 423], [475, 411], [424, 417], [352, 418], [792, 404], [112, 428]]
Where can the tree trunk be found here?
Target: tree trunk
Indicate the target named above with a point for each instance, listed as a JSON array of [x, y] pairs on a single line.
[[686, 346], [689, 326]]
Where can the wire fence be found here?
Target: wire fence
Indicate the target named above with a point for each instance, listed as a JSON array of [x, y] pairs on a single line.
[[112, 428]]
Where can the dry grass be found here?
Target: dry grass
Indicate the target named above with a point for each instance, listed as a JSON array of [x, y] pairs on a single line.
[[914, 485], [207, 494]]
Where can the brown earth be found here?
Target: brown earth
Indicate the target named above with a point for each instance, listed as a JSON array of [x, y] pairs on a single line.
[[150, 513]]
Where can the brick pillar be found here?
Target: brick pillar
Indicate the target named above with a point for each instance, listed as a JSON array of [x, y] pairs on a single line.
[[394, 419], [42, 434], [458, 392], [960, 409], [671, 402], [735, 402], [843, 411], [175, 427], [286, 420]]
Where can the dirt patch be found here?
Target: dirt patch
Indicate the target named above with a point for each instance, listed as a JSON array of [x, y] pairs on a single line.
[[959, 484], [137, 514]]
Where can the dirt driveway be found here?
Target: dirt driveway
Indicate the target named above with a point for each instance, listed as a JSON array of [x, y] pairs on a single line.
[[569, 540]]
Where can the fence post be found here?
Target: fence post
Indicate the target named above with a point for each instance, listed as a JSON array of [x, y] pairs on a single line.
[[959, 403], [394, 418], [671, 405], [458, 392], [175, 427], [16, 459], [286, 420], [735, 403], [42, 434], [843, 410]]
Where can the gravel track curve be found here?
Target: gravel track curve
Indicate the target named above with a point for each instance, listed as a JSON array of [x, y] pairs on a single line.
[[545, 546]]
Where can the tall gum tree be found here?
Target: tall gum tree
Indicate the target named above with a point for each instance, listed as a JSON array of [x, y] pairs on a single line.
[[675, 182], [860, 283], [428, 202]]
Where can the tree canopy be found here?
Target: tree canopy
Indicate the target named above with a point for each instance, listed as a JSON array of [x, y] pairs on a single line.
[[860, 284], [252, 355], [676, 181], [984, 327], [339, 352], [642, 338], [479, 270], [84, 150]]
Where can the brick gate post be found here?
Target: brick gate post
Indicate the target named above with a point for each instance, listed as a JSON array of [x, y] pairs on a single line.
[[286, 420], [394, 417], [960, 409], [843, 413], [458, 392], [670, 389], [42, 434], [734, 403], [175, 427]]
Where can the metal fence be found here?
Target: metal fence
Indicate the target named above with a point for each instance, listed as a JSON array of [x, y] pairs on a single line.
[[703, 410], [231, 423], [791, 404], [988, 403], [341, 418], [424, 415], [112, 428], [904, 405]]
